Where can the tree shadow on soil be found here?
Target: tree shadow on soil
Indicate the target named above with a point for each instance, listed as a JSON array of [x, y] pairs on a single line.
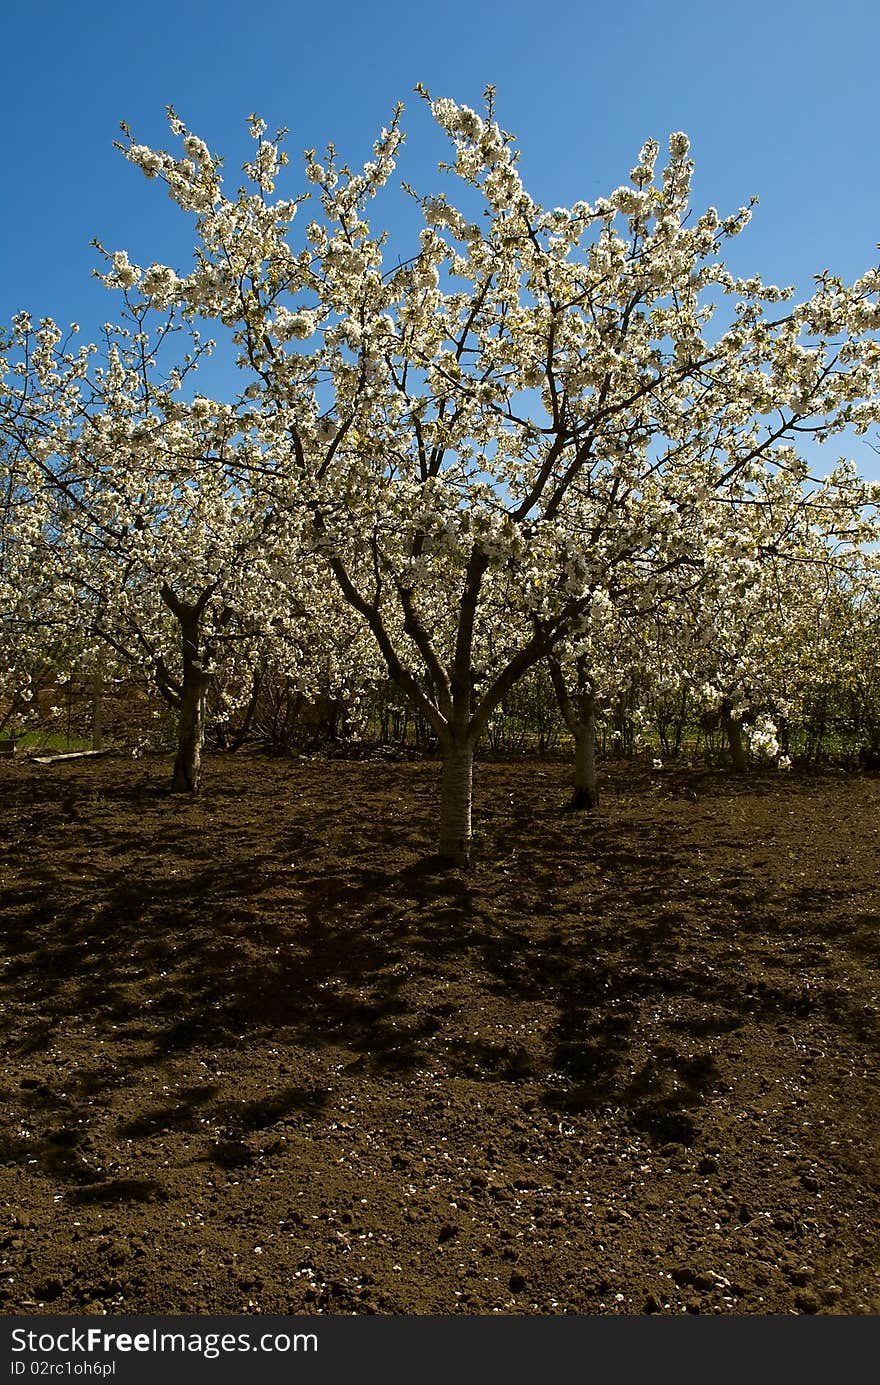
[[173, 933]]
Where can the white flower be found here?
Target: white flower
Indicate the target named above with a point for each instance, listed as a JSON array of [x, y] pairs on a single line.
[[286, 325], [443, 110], [126, 274], [159, 282], [147, 161], [468, 123], [762, 738], [630, 201], [196, 149]]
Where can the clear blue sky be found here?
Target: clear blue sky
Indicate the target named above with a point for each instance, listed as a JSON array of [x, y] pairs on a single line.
[[779, 98]]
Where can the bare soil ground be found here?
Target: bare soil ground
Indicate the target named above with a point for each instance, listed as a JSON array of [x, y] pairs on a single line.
[[262, 1055]]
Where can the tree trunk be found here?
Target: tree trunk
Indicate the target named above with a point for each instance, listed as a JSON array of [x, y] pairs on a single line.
[[456, 785], [579, 714], [240, 737], [190, 735], [193, 699], [586, 785], [733, 731], [97, 710]]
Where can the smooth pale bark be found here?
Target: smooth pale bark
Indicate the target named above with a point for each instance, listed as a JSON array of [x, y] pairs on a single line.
[[456, 793]]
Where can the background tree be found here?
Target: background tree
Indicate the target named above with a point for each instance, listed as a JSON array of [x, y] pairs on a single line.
[[138, 504]]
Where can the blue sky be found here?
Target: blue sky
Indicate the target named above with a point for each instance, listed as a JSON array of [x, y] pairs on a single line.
[[779, 99]]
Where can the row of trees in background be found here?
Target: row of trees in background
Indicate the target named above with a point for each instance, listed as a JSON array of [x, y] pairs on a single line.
[[824, 710], [549, 450]]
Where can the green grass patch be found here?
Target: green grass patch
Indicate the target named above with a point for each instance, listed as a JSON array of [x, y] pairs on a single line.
[[54, 741]]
